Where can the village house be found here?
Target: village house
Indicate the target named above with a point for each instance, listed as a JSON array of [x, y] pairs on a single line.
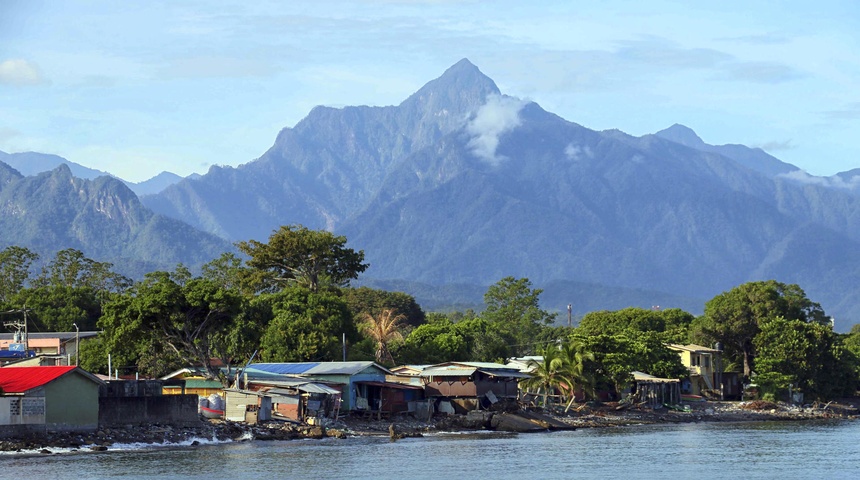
[[706, 372], [362, 384], [267, 396], [459, 387], [48, 399], [48, 343], [190, 381]]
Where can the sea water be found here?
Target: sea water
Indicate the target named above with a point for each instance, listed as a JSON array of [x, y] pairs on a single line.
[[784, 450]]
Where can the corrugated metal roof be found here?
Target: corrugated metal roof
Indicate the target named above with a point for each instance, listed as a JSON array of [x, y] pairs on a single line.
[[484, 365], [309, 387], [198, 383], [22, 379], [316, 368], [506, 373], [343, 368], [291, 382], [693, 348], [448, 372], [284, 368], [644, 377], [318, 388], [393, 385]]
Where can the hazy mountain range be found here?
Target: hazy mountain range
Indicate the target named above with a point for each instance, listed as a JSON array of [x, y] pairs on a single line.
[[460, 185], [32, 163]]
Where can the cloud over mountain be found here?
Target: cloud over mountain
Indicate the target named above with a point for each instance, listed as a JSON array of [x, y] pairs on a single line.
[[498, 116]]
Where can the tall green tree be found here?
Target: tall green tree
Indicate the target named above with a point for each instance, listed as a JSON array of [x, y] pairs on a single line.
[[672, 325], [15, 264], [612, 358], [371, 301], [548, 374], [71, 268], [806, 356], [190, 317], [435, 342], [733, 318], [228, 271], [306, 326], [295, 255], [59, 308], [514, 307], [69, 292], [575, 357]]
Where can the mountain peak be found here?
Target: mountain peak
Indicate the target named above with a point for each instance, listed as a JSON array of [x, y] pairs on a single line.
[[461, 88], [461, 67], [681, 134]]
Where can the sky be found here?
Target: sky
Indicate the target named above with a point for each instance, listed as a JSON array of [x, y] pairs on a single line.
[[136, 88]]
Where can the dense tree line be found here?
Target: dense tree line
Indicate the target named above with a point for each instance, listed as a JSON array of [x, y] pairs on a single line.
[[289, 300]]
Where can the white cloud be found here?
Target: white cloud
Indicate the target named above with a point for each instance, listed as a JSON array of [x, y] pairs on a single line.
[[576, 153], [833, 182], [776, 145], [20, 72], [499, 115]]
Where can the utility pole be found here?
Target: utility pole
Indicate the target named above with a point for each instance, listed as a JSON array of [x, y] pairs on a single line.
[[20, 327], [77, 343], [569, 315]]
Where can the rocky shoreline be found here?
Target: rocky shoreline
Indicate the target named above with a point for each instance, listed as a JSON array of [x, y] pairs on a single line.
[[583, 416]]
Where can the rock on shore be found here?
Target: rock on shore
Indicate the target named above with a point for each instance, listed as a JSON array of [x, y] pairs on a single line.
[[582, 416]]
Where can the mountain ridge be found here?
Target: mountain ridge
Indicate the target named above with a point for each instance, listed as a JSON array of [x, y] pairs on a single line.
[[461, 184]]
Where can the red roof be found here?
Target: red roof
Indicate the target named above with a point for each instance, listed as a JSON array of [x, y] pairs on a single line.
[[21, 379]]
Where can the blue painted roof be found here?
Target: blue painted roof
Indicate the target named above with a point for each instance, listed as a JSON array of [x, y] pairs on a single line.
[[284, 368]]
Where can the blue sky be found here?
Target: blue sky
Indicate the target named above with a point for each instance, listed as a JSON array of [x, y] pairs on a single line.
[[135, 88]]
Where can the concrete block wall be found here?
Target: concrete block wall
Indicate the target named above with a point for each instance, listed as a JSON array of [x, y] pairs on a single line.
[[179, 410]]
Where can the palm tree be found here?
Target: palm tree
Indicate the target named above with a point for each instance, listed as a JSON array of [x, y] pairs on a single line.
[[383, 329], [574, 356], [548, 374]]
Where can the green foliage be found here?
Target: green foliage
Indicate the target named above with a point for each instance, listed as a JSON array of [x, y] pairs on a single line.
[[228, 271], [192, 319], [548, 374], [513, 307], [93, 356], [733, 318], [306, 326], [56, 308], [70, 268], [672, 324], [805, 356], [471, 339], [15, 263], [296, 255], [436, 342], [365, 300], [70, 290], [615, 357]]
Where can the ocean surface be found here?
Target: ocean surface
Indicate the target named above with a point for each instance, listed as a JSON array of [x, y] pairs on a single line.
[[773, 450]]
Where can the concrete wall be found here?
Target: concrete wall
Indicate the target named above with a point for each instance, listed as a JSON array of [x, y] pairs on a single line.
[[19, 410], [164, 409], [131, 388]]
